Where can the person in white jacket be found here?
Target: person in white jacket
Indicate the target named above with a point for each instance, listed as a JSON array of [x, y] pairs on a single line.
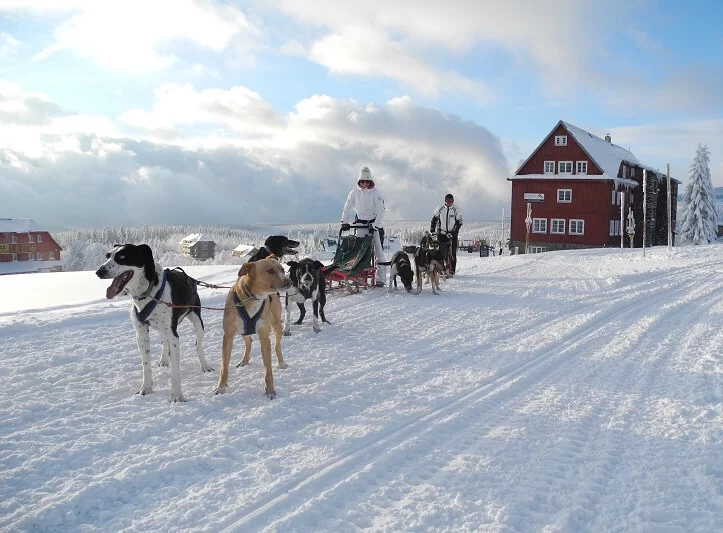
[[446, 222], [367, 204]]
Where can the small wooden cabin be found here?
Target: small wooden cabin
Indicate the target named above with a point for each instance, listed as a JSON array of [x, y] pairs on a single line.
[[197, 247]]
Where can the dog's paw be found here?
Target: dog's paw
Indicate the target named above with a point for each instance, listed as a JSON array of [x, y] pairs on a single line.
[[220, 390], [206, 368], [286, 333], [270, 394], [144, 390], [317, 329], [163, 361], [175, 398], [283, 365]]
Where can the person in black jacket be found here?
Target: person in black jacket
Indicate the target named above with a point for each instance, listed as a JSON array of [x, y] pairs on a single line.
[[446, 222]]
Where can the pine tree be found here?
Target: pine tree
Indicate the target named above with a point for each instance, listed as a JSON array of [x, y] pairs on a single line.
[[699, 220]]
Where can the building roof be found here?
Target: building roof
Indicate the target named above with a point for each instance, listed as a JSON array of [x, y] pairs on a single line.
[[28, 267], [194, 238], [18, 225], [606, 155]]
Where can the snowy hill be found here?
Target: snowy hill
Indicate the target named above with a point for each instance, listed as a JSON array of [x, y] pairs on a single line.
[[565, 391]]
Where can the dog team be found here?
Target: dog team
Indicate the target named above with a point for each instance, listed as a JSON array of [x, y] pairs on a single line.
[[253, 304]]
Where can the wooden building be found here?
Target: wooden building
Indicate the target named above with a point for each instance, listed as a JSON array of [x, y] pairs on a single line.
[[197, 247], [26, 248], [572, 182]]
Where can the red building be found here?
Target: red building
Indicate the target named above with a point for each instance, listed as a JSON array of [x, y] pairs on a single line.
[[572, 183], [24, 247]]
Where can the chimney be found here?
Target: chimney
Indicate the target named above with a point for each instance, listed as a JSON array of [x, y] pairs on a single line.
[[608, 138]]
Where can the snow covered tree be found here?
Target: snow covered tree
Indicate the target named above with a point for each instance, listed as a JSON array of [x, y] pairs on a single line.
[[699, 219]]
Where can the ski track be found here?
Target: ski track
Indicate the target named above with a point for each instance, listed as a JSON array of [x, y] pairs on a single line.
[[541, 421]]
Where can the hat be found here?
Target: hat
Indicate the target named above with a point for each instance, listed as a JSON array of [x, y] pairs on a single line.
[[365, 174], [449, 197]]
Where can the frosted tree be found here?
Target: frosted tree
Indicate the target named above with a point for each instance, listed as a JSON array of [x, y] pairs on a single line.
[[699, 219]]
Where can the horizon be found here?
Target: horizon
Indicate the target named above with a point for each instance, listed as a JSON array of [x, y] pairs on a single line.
[[245, 113]]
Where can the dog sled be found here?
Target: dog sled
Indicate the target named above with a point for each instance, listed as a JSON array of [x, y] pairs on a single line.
[[354, 263]]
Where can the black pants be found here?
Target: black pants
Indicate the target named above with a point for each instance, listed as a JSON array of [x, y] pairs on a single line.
[[445, 241]]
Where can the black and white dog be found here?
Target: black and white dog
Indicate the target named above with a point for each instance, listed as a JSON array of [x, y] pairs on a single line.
[[402, 267], [135, 273], [429, 260], [308, 279], [277, 245]]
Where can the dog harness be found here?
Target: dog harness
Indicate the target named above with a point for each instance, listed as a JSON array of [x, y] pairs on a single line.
[[143, 315], [249, 321]]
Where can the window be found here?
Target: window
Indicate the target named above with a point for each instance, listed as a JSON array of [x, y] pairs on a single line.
[[564, 196], [581, 167], [15, 257], [51, 256], [557, 226], [31, 256], [537, 249], [13, 239], [560, 140], [614, 228], [539, 225], [30, 237], [615, 198], [577, 226], [564, 167], [40, 238], [549, 167]]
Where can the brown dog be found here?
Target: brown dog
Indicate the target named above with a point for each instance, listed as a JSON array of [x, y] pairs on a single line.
[[249, 311]]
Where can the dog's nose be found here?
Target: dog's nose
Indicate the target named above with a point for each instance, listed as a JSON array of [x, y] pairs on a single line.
[[101, 272], [287, 283]]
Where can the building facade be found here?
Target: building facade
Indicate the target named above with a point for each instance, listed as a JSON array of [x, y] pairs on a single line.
[[572, 184], [25, 248]]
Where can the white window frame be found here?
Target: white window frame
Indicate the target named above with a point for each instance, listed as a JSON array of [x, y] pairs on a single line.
[[562, 195], [31, 256], [560, 140], [551, 165], [15, 257], [51, 256], [537, 249], [615, 228], [567, 164], [13, 239], [581, 167], [579, 226], [30, 237], [557, 226], [539, 225], [40, 238]]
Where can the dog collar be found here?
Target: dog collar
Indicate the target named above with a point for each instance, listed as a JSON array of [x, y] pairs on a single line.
[[143, 315], [249, 321]]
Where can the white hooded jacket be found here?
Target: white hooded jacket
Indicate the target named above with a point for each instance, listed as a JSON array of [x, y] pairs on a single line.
[[367, 204]]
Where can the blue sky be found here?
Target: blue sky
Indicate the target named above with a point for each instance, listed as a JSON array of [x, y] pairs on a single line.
[[122, 113]]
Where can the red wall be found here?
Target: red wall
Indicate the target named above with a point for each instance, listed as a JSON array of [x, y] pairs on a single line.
[[23, 246], [549, 152]]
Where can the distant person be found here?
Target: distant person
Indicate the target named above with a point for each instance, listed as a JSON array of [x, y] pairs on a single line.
[[367, 204], [499, 245], [446, 223]]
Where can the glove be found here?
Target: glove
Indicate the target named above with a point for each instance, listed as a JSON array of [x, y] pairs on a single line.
[[345, 226]]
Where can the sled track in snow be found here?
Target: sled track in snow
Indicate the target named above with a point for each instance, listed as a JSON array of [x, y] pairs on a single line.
[[377, 452]]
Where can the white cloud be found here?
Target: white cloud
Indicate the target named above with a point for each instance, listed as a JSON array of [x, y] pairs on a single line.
[[306, 161], [8, 46], [134, 35]]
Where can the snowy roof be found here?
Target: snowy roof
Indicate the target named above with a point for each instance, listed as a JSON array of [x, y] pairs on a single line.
[[606, 155], [18, 225], [193, 238]]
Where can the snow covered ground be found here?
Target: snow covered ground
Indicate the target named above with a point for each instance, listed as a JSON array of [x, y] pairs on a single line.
[[566, 391]]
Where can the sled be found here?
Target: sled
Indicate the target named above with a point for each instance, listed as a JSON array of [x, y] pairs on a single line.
[[353, 266]]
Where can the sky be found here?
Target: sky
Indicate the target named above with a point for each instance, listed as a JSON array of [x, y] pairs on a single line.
[[237, 113], [567, 391]]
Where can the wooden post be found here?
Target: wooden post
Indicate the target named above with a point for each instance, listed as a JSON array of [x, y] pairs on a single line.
[[622, 218], [670, 212], [645, 207]]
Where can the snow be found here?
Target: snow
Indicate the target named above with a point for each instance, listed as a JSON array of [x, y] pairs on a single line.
[[17, 225], [564, 391]]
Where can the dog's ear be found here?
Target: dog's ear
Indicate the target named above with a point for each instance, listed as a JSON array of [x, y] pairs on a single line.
[[318, 264], [149, 266], [245, 269], [292, 264], [271, 256]]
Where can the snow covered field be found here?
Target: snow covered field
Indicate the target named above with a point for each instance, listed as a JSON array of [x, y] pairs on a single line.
[[567, 391]]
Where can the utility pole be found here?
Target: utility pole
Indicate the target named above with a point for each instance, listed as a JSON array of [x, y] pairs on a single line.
[[670, 207], [645, 207], [622, 218]]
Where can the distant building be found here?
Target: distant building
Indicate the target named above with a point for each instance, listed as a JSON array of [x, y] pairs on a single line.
[[198, 247], [572, 182], [244, 250], [26, 248]]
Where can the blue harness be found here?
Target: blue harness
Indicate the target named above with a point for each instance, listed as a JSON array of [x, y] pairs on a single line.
[[150, 306], [249, 321]]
